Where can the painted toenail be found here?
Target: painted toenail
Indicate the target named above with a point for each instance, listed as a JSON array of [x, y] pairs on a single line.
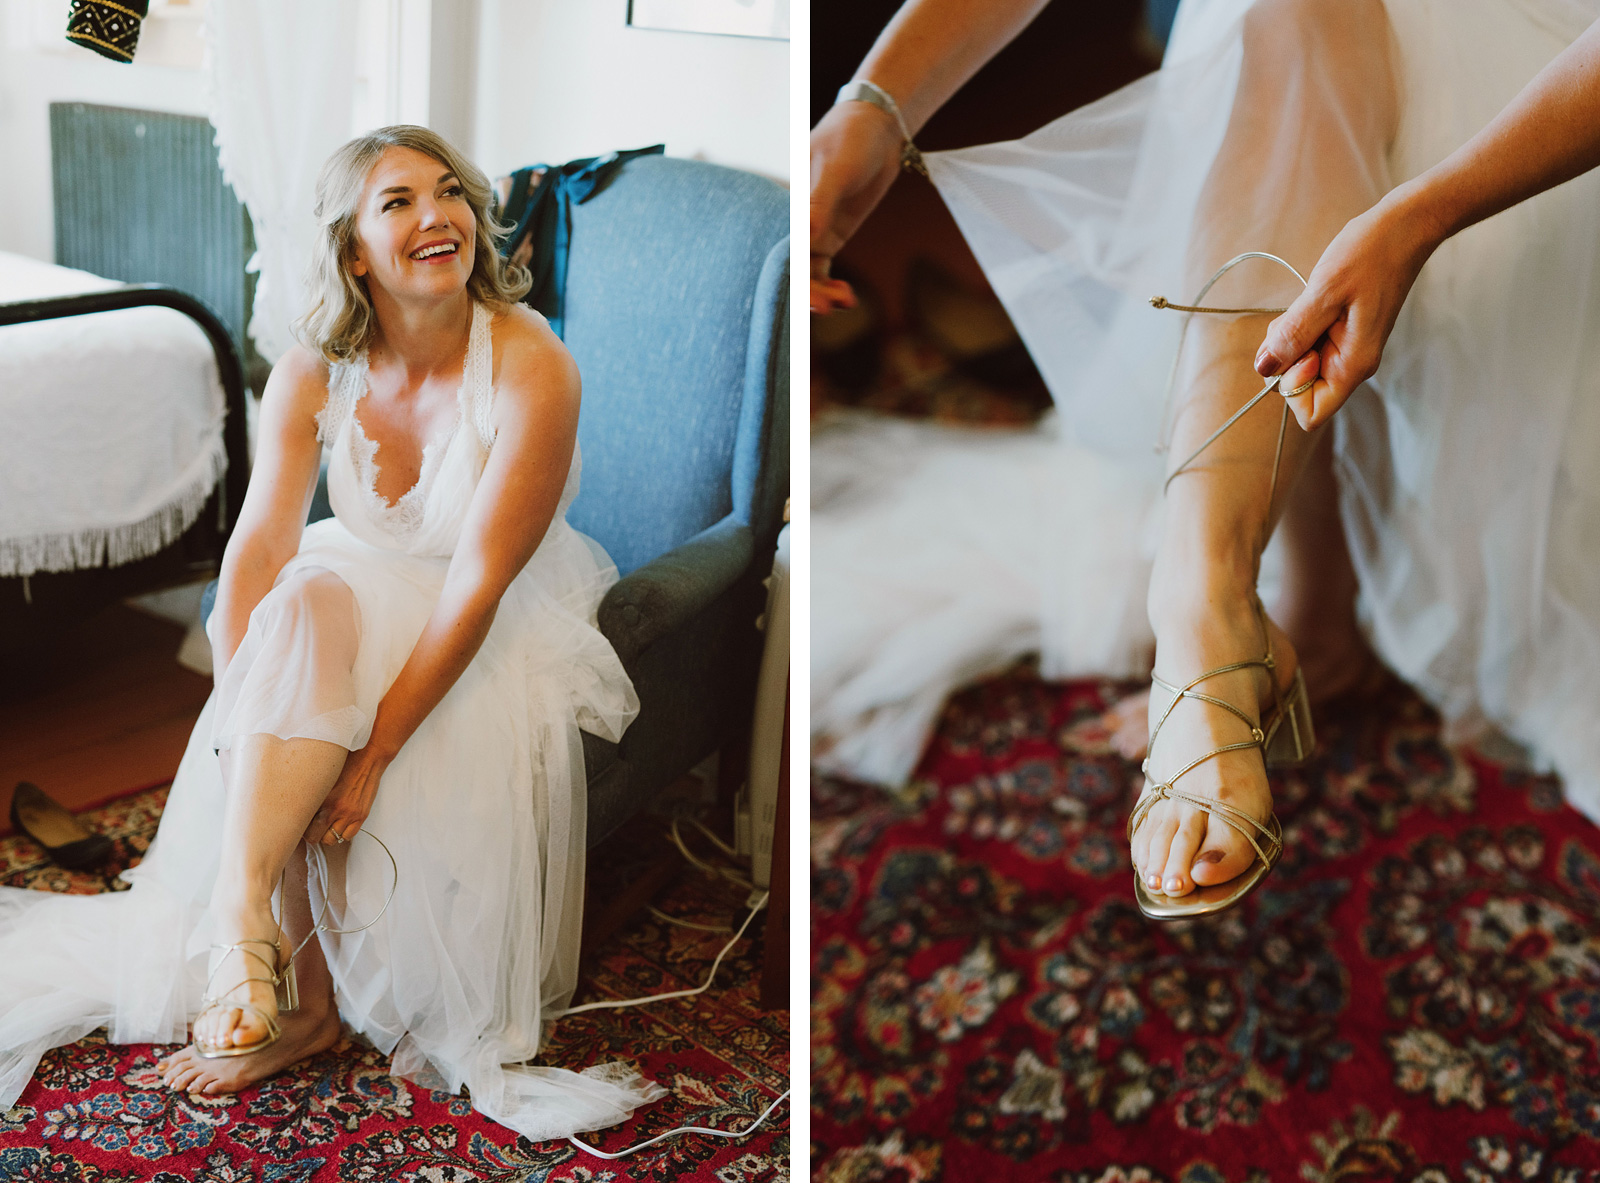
[[1174, 884], [1210, 856], [1154, 881]]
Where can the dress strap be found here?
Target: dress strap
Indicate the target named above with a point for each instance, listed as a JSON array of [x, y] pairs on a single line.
[[345, 383], [480, 375]]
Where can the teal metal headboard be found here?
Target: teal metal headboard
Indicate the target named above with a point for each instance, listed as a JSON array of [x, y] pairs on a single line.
[[139, 197]]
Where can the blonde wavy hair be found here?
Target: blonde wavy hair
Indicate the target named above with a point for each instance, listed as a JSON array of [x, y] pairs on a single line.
[[340, 322]]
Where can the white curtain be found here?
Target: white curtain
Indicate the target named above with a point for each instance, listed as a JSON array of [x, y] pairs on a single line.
[[280, 76]]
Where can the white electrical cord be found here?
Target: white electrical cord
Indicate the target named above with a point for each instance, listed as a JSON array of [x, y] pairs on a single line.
[[709, 868], [662, 916], [611, 1004], [684, 1129], [712, 834]]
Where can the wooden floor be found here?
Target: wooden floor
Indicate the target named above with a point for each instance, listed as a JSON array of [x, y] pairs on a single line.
[[107, 710]]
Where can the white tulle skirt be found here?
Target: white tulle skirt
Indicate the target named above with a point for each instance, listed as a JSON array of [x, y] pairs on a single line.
[[1469, 468], [483, 809]]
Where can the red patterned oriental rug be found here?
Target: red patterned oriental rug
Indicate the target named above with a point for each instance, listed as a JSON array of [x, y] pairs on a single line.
[[96, 1113], [1412, 996]]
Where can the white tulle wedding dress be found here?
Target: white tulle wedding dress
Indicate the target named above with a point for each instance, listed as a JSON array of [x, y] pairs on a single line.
[[484, 807], [1469, 467]]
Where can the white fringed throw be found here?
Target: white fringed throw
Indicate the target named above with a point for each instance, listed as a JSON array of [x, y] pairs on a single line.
[[110, 428]]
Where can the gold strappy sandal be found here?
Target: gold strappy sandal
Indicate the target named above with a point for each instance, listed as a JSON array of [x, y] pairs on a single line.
[[285, 986], [1284, 736]]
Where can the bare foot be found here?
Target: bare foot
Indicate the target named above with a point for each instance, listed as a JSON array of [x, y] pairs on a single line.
[[307, 1031], [1129, 724], [1180, 846]]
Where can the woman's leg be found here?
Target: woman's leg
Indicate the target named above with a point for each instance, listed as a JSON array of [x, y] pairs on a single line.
[[311, 1029], [1303, 153], [274, 788], [1316, 603]]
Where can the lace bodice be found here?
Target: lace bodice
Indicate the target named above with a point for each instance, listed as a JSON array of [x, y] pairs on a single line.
[[427, 518], [353, 465]]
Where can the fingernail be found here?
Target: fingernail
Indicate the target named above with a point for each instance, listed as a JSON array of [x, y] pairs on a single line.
[[1210, 856], [1266, 364]]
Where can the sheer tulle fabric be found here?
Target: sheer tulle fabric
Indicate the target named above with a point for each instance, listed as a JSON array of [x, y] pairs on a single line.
[[483, 810], [942, 554], [1469, 467]]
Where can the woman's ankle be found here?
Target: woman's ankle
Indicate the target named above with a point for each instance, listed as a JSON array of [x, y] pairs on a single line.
[[1202, 595], [244, 911]]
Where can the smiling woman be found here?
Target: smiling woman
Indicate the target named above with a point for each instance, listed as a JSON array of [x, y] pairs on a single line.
[[414, 195], [410, 668]]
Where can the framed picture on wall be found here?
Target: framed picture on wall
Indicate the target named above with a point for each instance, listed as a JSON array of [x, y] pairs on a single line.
[[730, 18]]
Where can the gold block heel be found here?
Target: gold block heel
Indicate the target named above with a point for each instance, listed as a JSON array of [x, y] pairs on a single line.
[[1290, 736], [288, 990]]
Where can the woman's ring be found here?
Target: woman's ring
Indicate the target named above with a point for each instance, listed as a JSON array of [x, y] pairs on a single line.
[[1301, 389], [337, 837]]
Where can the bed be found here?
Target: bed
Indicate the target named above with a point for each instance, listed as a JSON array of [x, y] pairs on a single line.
[[123, 456]]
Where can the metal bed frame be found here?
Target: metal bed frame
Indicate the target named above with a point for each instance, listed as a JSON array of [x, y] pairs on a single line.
[[33, 608]]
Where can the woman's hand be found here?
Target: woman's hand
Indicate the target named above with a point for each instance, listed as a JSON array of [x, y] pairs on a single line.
[[855, 157], [1335, 332], [349, 802]]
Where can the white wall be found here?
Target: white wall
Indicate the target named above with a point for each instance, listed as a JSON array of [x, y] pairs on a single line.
[[38, 67], [560, 79], [513, 82]]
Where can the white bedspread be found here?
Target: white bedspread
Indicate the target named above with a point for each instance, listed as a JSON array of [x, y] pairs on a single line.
[[110, 427]]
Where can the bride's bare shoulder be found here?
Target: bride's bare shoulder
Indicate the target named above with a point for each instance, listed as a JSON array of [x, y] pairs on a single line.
[[298, 387], [530, 361]]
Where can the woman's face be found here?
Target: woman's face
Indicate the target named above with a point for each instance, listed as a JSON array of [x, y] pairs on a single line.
[[414, 231]]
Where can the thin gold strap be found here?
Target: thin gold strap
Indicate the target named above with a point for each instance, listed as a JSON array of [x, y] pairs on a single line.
[[322, 877], [1163, 302], [1272, 383], [1242, 746], [1228, 813], [1188, 691], [271, 1024], [239, 947]]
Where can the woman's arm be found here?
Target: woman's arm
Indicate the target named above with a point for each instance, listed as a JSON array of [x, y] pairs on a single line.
[[1336, 330], [283, 478], [923, 56], [536, 421]]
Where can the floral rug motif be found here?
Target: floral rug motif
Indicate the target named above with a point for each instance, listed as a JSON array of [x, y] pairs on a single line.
[[96, 1112], [1412, 996]]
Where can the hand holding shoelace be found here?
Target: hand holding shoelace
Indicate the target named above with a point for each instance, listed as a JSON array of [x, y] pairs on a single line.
[[349, 802], [1336, 330]]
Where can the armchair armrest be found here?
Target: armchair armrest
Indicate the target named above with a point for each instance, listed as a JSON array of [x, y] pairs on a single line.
[[673, 588]]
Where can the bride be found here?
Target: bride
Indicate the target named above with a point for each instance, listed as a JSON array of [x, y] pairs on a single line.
[[1443, 518], [394, 733]]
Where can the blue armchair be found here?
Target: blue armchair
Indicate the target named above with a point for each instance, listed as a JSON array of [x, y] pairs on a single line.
[[677, 311]]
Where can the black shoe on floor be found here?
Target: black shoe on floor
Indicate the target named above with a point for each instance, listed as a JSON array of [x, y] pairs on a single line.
[[63, 836]]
